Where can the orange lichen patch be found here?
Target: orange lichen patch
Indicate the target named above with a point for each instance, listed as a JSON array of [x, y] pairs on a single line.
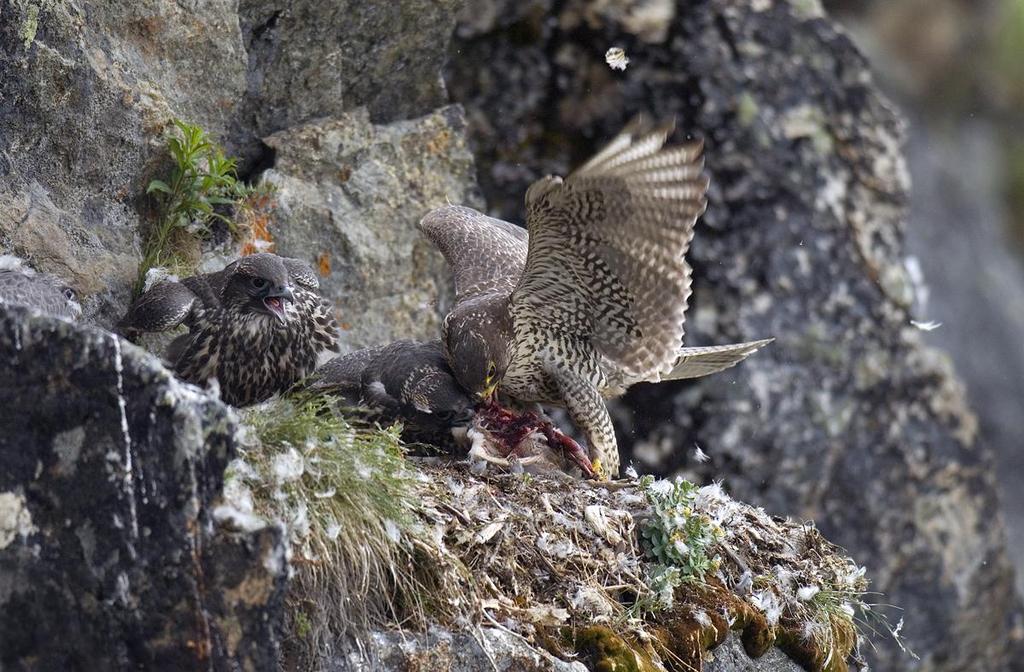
[[323, 264], [252, 221], [440, 142]]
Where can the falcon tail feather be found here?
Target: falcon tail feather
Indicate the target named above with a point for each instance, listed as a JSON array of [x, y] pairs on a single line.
[[703, 361]]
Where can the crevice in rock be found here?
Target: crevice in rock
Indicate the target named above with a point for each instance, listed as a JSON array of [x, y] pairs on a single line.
[[264, 159]]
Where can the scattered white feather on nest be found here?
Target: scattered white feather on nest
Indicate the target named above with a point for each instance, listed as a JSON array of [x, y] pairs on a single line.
[[236, 519], [288, 466], [593, 601], [807, 593], [616, 58]]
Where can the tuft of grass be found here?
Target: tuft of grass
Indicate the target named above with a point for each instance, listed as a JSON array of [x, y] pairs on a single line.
[[203, 179], [344, 492]]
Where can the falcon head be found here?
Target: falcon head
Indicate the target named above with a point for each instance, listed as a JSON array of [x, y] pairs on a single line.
[[478, 344], [260, 284]]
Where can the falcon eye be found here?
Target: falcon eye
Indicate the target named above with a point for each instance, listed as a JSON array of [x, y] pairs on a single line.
[[490, 370], [259, 283], [69, 294]]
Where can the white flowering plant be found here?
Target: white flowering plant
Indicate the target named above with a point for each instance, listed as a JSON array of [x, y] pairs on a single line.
[[677, 534]]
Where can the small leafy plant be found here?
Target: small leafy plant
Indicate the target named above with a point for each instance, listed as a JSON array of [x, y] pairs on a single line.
[[676, 536], [203, 178]]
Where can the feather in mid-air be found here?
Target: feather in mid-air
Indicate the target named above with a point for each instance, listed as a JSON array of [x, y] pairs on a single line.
[[591, 298], [21, 285], [257, 326]]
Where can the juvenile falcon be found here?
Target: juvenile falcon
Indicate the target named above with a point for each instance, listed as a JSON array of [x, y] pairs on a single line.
[[593, 298], [20, 284], [257, 326], [412, 382], [404, 380]]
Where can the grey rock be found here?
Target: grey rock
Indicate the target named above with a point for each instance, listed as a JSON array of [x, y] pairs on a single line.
[[848, 418], [89, 91], [485, 649], [975, 287], [308, 59], [349, 195], [108, 555], [729, 656]]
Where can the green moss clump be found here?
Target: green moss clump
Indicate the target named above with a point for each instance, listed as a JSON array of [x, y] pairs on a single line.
[[604, 651]]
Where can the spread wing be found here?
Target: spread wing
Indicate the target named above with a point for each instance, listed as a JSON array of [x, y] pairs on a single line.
[[484, 253], [606, 251], [705, 360]]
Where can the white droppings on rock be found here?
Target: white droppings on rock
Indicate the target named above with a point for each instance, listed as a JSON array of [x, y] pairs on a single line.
[[129, 470], [15, 518]]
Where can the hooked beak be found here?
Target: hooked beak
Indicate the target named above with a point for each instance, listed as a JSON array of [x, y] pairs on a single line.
[[488, 392], [274, 301]]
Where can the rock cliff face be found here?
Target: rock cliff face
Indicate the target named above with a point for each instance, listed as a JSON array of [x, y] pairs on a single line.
[[89, 91], [109, 558], [848, 419], [349, 194]]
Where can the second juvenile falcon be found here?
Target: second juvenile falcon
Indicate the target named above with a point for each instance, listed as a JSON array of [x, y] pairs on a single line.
[[591, 298]]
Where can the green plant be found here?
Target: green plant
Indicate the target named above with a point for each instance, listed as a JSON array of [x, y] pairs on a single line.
[[202, 179], [677, 537]]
